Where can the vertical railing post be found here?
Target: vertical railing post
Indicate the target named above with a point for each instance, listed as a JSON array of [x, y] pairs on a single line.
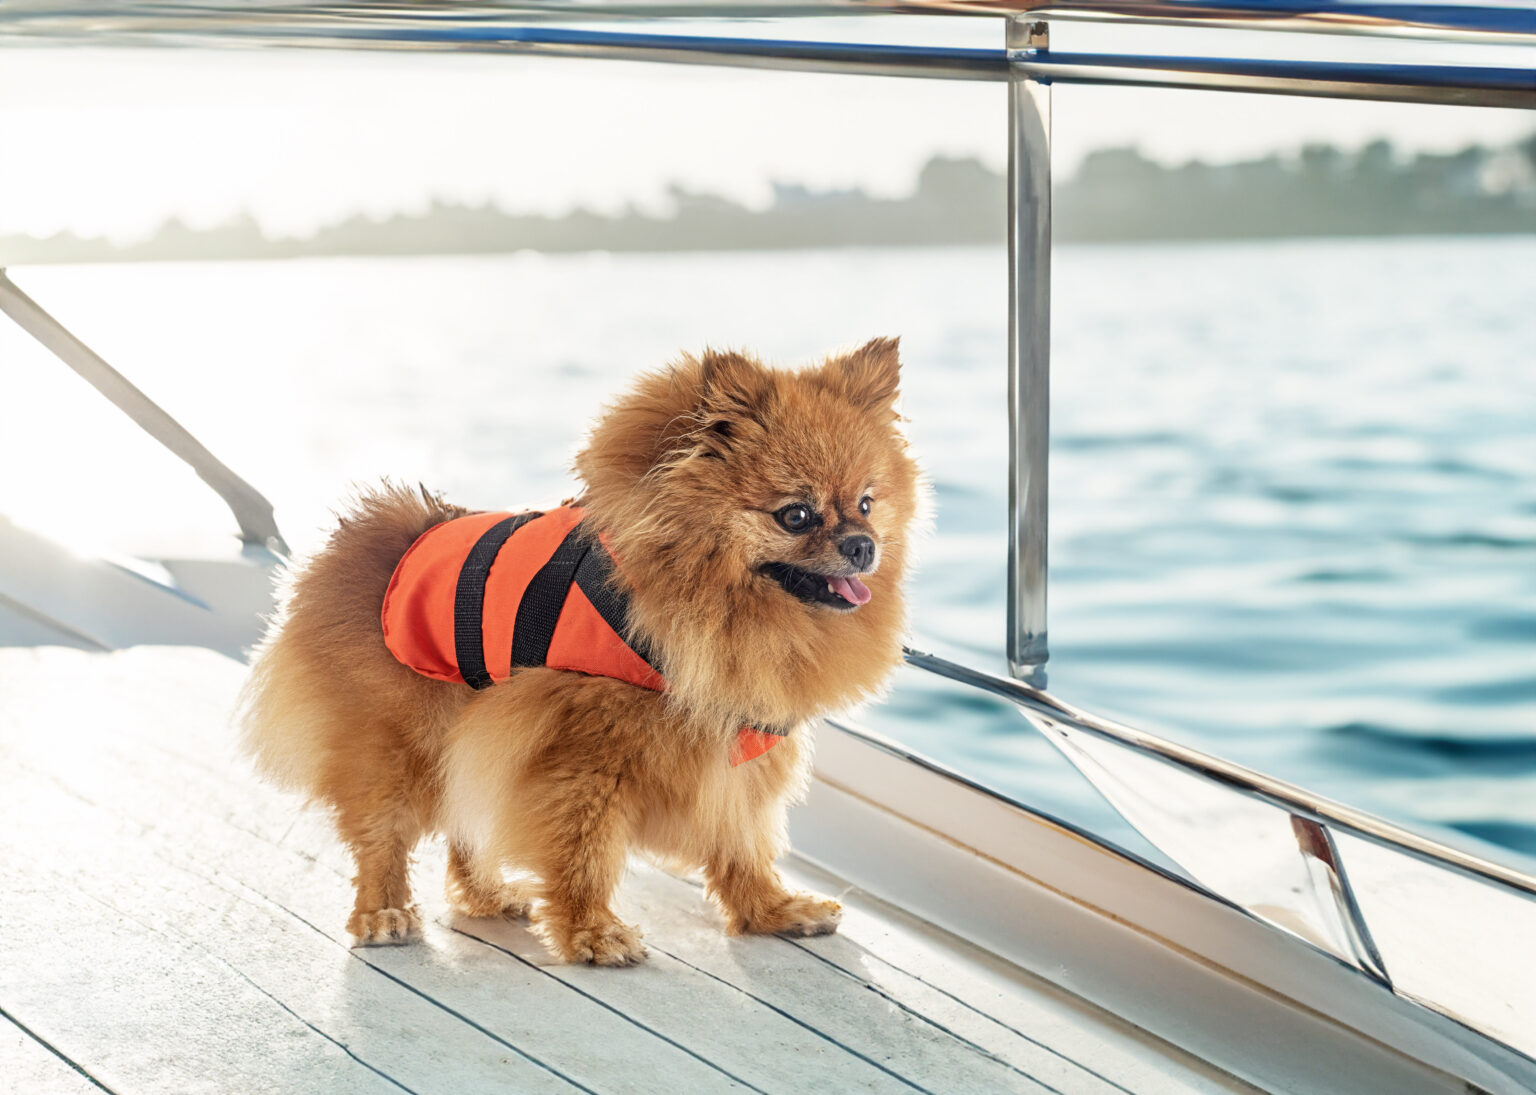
[[1029, 351]]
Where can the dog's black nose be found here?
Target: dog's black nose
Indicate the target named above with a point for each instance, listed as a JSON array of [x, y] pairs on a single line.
[[858, 550]]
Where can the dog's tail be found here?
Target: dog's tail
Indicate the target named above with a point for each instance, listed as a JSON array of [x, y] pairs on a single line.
[[324, 648]]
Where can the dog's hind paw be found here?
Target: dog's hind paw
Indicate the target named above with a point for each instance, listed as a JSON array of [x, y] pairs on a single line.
[[384, 926], [612, 944]]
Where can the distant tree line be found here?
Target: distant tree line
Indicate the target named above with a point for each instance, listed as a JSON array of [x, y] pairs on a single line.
[[1116, 194]]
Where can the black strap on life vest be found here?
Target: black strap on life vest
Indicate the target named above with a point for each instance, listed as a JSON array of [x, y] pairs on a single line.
[[594, 577], [469, 599], [580, 559], [539, 610]]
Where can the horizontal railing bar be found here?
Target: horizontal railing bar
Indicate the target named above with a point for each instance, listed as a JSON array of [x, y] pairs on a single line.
[[1445, 84], [1445, 20], [923, 62], [1277, 792], [1414, 83], [1451, 20], [1454, 85]]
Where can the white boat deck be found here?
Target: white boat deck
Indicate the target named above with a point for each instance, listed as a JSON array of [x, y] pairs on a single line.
[[168, 923]]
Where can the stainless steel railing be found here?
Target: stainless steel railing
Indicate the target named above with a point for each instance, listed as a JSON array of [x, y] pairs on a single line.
[[253, 513], [219, 20]]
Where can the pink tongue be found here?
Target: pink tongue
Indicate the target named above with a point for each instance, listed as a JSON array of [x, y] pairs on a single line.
[[850, 589]]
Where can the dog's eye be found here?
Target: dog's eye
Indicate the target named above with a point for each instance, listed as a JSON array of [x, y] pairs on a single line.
[[796, 518], [864, 504]]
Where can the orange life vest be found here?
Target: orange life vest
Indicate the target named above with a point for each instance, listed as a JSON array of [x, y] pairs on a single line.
[[476, 598]]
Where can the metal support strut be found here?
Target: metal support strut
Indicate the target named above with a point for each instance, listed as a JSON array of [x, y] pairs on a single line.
[[252, 511], [1029, 349]]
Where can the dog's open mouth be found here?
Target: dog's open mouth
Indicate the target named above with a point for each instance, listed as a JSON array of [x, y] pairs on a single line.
[[842, 592]]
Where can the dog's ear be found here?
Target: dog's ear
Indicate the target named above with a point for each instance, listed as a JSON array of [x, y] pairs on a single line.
[[870, 376], [697, 405], [732, 388], [731, 383]]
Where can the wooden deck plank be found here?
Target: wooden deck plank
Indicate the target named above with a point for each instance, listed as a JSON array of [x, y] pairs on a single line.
[[784, 976], [173, 775], [765, 1049], [166, 793], [977, 1027], [142, 1012], [212, 957], [31, 1067], [1022, 1018], [479, 994], [134, 788], [688, 1010]]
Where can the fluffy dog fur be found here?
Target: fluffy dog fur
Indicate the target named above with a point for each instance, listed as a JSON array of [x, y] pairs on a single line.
[[556, 776]]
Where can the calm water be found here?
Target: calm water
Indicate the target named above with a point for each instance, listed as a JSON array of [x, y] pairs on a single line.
[[1293, 484]]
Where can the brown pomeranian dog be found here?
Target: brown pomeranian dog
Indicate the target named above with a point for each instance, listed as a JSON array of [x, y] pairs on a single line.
[[637, 676]]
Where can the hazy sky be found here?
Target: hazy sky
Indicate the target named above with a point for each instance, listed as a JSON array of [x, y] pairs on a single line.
[[115, 141]]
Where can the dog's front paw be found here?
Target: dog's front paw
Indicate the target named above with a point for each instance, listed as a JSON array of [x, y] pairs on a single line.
[[798, 914], [807, 914], [384, 926], [610, 944]]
